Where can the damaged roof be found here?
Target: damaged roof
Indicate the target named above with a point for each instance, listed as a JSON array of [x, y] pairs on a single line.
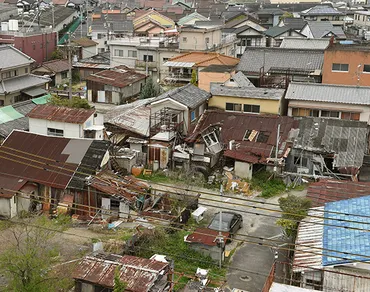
[[247, 91], [50, 161], [254, 135], [10, 185], [329, 190], [139, 274], [205, 236], [346, 140]]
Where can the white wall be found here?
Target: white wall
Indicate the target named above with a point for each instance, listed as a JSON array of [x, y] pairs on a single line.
[[39, 126], [5, 210], [89, 52], [243, 169]]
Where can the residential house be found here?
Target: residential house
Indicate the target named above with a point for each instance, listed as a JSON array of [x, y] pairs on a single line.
[[294, 22], [323, 29], [190, 19], [276, 34], [236, 19], [246, 141], [85, 48], [308, 44], [347, 65], [152, 23], [55, 167], [7, 11], [92, 65], [116, 85], [214, 73], [276, 67], [328, 101], [361, 19], [324, 13], [57, 70], [269, 17], [14, 117], [340, 260], [245, 97], [181, 67], [66, 122], [97, 273], [325, 146], [17, 84]]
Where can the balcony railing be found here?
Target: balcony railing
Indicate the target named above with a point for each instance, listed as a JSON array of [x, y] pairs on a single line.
[[143, 64]]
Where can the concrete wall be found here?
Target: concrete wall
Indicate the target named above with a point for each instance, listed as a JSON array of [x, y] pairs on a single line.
[[125, 59], [355, 74], [213, 251], [205, 78], [89, 52], [196, 40], [5, 209], [266, 106], [243, 169]]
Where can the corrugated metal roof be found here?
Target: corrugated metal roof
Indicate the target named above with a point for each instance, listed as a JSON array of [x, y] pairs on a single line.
[[321, 10], [22, 82], [179, 64], [8, 113], [346, 279], [327, 190], [310, 233], [328, 93], [139, 274], [344, 240], [61, 114], [205, 236], [10, 183], [254, 59]]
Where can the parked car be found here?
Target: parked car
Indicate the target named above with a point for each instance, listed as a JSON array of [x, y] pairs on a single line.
[[230, 222]]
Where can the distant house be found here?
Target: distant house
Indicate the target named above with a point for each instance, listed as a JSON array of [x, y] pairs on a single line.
[[97, 273], [322, 29], [191, 19], [275, 67], [56, 167], [85, 47], [93, 64], [339, 260], [152, 23], [325, 146], [17, 84], [57, 70], [294, 22], [214, 73], [305, 44], [116, 85], [66, 122], [328, 101], [269, 17], [323, 13], [276, 34]]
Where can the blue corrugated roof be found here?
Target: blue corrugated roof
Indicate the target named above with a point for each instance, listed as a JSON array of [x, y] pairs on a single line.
[[342, 239]]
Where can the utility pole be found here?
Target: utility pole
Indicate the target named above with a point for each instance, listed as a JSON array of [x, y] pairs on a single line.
[[220, 237], [69, 66], [277, 149]]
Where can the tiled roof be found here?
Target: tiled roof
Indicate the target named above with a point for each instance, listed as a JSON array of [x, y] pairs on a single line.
[[12, 57], [57, 66], [188, 95], [294, 22], [321, 10], [328, 93], [320, 29], [22, 82], [329, 190], [345, 139], [85, 42], [61, 114], [278, 30], [205, 59], [247, 92], [250, 24], [270, 11], [342, 242], [241, 80], [300, 60], [305, 44], [119, 77], [191, 18]]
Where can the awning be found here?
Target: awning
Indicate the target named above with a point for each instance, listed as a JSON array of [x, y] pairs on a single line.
[[179, 64], [34, 92], [8, 113], [42, 99]]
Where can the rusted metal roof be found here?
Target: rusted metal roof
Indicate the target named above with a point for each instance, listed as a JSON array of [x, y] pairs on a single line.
[[206, 236], [139, 274], [328, 190], [61, 114], [9, 185]]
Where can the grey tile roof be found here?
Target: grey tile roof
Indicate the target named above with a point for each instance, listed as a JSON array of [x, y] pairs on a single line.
[[22, 82], [277, 30], [188, 95], [11, 57], [254, 59], [242, 80], [270, 11], [247, 92], [320, 29], [328, 93], [308, 44], [321, 10], [345, 139], [294, 22]]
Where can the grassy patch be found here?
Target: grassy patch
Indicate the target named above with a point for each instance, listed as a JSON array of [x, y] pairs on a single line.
[[268, 186]]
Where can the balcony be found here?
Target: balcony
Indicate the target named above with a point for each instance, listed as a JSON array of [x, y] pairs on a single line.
[[143, 64]]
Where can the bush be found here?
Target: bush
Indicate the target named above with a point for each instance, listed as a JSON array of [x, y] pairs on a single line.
[[75, 102], [268, 186]]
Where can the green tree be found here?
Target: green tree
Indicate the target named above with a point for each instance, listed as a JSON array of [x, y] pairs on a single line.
[[150, 89], [57, 54], [75, 102], [294, 210], [194, 78], [286, 15], [119, 286], [29, 256]]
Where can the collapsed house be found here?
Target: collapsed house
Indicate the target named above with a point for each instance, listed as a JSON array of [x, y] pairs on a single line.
[[245, 142], [328, 147]]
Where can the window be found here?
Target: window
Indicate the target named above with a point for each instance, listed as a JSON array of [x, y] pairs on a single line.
[[100, 36], [26, 70], [249, 42], [55, 132], [148, 58], [350, 116], [314, 113], [19, 98], [210, 139], [9, 74], [114, 204], [118, 53], [366, 68], [330, 114], [315, 284], [132, 54], [184, 39], [192, 116], [235, 107], [64, 75], [339, 67], [165, 59], [251, 108]]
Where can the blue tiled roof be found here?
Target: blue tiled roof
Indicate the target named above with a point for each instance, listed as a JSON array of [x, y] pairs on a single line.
[[346, 240]]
